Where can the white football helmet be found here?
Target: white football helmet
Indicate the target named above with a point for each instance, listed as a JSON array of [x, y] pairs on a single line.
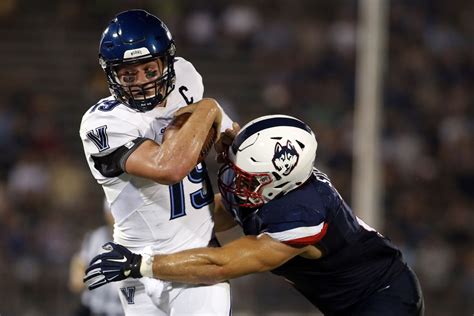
[[269, 157]]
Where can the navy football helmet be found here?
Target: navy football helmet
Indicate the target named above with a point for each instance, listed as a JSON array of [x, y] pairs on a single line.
[[135, 37]]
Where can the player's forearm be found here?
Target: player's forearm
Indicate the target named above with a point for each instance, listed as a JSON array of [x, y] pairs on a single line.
[[197, 266], [180, 153], [246, 255], [240, 257]]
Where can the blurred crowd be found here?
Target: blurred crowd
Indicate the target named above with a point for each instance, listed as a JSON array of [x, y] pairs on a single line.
[[257, 57]]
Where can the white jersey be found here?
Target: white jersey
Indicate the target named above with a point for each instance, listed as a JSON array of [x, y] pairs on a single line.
[[169, 218]]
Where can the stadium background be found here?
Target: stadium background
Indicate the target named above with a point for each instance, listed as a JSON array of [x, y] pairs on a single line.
[[256, 57]]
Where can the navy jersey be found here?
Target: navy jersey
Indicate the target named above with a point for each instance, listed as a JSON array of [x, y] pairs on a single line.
[[357, 261]]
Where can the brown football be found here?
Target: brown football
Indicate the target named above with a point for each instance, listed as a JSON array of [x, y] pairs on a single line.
[[179, 121]]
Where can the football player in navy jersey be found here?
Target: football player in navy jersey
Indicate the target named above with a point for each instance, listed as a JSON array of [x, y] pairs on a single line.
[[296, 226]]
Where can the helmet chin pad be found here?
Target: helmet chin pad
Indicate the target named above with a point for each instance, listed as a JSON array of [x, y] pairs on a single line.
[[147, 103]]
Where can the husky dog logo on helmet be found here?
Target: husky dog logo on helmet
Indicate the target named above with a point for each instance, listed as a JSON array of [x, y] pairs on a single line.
[[285, 158]]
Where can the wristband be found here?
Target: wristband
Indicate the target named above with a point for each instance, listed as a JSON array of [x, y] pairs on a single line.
[[146, 266]]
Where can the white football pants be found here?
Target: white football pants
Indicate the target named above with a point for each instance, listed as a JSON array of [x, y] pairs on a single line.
[[147, 296]]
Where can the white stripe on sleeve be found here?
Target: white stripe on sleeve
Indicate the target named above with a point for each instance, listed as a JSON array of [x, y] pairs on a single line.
[[296, 233]]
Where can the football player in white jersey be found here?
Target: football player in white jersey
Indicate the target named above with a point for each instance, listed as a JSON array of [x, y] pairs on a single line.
[[161, 199]]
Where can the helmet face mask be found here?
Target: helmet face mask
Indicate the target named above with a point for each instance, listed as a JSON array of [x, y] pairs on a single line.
[[270, 156], [246, 187], [137, 37], [142, 97]]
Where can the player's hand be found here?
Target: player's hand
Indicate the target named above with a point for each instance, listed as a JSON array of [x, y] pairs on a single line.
[[211, 105], [115, 264], [222, 145]]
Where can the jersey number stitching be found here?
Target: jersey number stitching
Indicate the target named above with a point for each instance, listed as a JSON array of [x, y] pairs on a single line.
[[199, 198], [105, 106]]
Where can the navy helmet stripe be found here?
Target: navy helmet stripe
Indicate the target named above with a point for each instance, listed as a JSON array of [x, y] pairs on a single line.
[[267, 123]]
